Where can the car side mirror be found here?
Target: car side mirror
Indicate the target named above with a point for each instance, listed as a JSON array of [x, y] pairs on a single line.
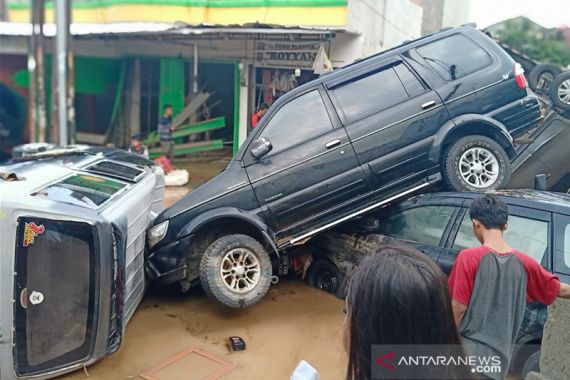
[[260, 147]]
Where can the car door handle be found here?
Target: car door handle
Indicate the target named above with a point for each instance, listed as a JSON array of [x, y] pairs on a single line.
[[429, 104], [332, 144]]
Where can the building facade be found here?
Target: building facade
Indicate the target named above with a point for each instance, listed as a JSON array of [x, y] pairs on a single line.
[[133, 56]]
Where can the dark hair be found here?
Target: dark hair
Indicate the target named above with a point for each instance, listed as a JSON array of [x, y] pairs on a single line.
[[262, 107], [166, 106], [398, 296], [492, 212]]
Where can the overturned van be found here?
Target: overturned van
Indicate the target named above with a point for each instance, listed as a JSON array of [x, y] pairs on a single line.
[[72, 246]]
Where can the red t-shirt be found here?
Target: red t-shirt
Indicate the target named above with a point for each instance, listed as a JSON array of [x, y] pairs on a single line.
[[541, 285], [254, 120]]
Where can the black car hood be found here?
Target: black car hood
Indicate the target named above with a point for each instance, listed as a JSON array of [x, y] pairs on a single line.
[[232, 178]]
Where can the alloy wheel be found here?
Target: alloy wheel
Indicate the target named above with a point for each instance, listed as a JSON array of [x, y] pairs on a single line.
[[240, 270], [479, 167], [563, 92]]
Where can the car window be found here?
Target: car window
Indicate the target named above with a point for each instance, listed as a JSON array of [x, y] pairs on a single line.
[[368, 94], [455, 56], [81, 190], [421, 224], [529, 236], [567, 246], [299, 120], [411, 83]]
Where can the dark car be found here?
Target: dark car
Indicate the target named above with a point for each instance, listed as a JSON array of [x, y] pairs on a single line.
[[439, 225], [447, 105]]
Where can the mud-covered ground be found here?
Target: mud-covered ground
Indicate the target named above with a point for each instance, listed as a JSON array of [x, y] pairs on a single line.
[[292, 323]]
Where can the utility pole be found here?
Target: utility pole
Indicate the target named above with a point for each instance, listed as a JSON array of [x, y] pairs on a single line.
[[36, 67], [64, 62]]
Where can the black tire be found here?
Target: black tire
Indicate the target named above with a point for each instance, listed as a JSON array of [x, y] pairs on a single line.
[[548, 71], [324, 275], [532, 363], [211, 266], [451, 165], [561, 83]]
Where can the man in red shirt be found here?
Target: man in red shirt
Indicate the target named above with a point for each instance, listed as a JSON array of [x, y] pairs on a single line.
[[258, 115], [491, 284]]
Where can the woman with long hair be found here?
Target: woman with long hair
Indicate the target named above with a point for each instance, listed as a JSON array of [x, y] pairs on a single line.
[[398, 296]]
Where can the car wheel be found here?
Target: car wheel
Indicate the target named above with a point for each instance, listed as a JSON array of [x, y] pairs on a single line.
[[542, 75], [476, 163], [532, 363], [324, 275], [236, 271], [560, 91]]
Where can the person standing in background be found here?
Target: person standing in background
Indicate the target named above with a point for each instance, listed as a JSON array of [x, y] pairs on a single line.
[[165, 132], [258, 115]]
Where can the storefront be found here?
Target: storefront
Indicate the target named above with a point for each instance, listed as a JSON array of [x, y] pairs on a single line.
[[124, 79], [281, 66]]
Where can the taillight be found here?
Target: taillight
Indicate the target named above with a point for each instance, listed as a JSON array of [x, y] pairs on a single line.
[[519, 76]]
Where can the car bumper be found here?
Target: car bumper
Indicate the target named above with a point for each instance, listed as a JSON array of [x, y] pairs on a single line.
[[168, 264]]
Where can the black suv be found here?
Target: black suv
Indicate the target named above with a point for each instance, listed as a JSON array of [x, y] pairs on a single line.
[[439, 225], [446, 105]]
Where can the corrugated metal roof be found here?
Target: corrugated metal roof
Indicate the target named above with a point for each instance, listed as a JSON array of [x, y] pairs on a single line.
[[141, 28]]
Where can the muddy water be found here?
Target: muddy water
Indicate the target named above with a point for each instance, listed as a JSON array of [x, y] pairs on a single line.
[[293, 322]]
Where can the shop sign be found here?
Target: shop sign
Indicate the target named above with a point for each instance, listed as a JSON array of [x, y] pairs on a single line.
[[286, 55]]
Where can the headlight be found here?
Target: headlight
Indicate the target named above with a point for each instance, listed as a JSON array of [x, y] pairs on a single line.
[[156, 233]]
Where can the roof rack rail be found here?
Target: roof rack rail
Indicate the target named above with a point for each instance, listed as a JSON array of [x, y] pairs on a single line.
[[471, 24]]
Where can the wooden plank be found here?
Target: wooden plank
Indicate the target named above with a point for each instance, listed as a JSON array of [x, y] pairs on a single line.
[[192, 107]]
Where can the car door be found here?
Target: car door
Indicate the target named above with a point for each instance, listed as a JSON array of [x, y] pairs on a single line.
[[391, 117], [311, 174], [528, 231], [561, 258], [424, 228], [55, 294]]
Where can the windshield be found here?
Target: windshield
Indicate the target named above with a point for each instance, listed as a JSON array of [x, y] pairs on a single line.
[[82, 190]]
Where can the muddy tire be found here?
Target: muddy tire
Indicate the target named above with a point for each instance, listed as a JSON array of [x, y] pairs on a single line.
[[476, 163], [236, 271], [324, 275], [543, 74], [560, 91]]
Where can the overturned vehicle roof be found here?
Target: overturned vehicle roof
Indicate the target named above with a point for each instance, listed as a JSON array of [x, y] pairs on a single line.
[[72, 224]]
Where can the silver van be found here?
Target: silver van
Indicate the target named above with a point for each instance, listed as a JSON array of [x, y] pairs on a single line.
[[72, 245]]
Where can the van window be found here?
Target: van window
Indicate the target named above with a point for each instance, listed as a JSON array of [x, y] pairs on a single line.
[[81, 190], [299, 120], [455, 56], [368, 94]]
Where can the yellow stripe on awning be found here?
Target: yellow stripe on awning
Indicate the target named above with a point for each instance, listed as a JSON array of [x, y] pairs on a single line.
[[287, 16]]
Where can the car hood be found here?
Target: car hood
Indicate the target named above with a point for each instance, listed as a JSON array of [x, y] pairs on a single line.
[[232, 178]]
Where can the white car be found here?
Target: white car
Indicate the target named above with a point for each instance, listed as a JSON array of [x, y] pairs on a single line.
[[72, 245]]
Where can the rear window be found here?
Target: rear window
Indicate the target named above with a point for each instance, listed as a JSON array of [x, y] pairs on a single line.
[[370, 93], [455, 56], [116, 170], [82, 190]]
